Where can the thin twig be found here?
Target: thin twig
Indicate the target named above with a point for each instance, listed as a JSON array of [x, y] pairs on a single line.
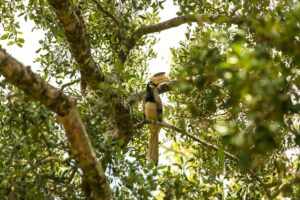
[[184, 133], [69, 84]]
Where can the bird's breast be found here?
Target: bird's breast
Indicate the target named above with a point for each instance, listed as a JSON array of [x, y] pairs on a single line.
[[151, 111]]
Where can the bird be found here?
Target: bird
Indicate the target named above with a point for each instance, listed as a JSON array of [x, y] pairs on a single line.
[[153, 110]]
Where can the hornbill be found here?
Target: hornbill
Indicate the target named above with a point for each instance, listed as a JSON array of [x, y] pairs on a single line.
[[153, 112]]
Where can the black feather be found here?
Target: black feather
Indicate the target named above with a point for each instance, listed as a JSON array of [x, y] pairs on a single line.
[[150, 98], [149, 93]]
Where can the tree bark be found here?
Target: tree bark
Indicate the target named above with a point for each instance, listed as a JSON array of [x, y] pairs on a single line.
[[74, 28], [73, 25], [65, 107]]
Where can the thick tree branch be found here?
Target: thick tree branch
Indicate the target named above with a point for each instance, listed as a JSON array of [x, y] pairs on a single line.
[[75, 31], [74, 27], [33, 85], [83, 150], [54, 99]]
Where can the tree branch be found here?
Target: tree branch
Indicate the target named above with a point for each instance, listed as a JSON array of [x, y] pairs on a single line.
[[83, 150], [69, 84], [171, 23], [177, 21], [75, 31], [153, 28], [180, 20], [210, 146], [186, 134], [74, 27], [54, 99], [33, 85], [205, 143]]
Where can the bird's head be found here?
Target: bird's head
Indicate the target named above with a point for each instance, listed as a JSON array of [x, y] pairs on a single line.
[[158, 79]]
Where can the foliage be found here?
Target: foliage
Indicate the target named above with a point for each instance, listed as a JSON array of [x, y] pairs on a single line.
[[237, 87]]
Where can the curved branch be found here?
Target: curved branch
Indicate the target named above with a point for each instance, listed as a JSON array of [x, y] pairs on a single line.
[[56, 101], [180, 20], [153, 28], [171, 23], [177, 21]]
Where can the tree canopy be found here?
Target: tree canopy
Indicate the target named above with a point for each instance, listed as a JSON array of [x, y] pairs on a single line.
[[74, 128]]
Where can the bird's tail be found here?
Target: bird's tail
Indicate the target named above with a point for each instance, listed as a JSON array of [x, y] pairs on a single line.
[[153, 153]]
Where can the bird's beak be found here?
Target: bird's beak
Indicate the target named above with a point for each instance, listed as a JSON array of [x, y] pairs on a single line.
[[165, 86]]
